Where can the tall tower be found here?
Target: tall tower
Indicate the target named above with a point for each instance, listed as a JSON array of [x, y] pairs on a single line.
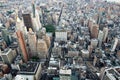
[[105, 31], [42, 48], [47, 40], [32, 42], [22, 45], [115, 44], [27, 21], [6, 36], [19, 23], [35, 18], [95, 30], [100, 37]]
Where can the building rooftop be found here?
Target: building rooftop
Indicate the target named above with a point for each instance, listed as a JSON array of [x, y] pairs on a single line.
[[65, 71], [28, 68], [6, 51]]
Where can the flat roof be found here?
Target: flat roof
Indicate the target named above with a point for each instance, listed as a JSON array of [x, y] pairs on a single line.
[[65, 71], [28, 68], [6, 51]]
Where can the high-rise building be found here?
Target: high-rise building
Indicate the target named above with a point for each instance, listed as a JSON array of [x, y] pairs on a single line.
[[61, 35], [94, 43], [6, 36], [42, 49], [22, 45], [100, 37], [32, 42], [105, 31], [47, 40], [35, 18], [90, 49], [8, 55], [27, 21], [95, 30], [85, 53], [19, 23], [90, 23], [115, 44]]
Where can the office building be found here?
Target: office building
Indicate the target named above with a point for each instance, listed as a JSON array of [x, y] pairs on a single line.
[[114, 44], [100, 37], [27, 21], [65, 74], [85, 53], [22, 45], [6, 36], [61, 35], [90, 49], [95, 31], [90, 24], [47, 40], [42, 49], [29, 71], [19, 24], [35, 18], [73, 53], [8, 55], [94, 43], [32, 41], [105, 31]]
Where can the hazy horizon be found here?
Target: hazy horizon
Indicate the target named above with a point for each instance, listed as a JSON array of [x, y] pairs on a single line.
[[114, 1]]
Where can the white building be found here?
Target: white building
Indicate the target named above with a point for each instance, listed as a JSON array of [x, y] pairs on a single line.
[[35, 18], [8, 55], [85, 53], [65, 74], [100, 37], [115, 44], [61, 35], [105, 31], [94, 43]]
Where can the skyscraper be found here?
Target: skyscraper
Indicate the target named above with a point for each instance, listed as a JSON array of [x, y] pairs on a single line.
[[19, 23], [47, 40], [105, 31], [115, 44], [8, 55], [100, 37], [6, 36], [95, 30], [32, 42], [35, 18], [42, 48], [27, 21], [22, 45], [94, 43]]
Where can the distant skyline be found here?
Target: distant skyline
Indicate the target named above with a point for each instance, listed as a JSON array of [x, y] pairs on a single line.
[[114, 1]]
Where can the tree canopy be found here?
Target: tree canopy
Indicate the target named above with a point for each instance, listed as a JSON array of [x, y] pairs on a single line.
[[50, 28]]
